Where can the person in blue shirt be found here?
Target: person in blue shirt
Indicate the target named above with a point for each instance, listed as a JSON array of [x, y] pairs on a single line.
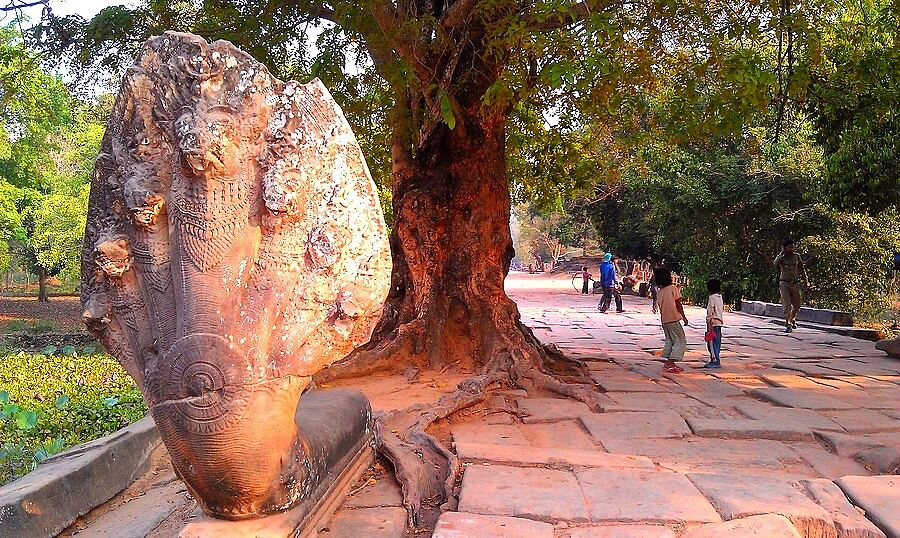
[[610, 284]]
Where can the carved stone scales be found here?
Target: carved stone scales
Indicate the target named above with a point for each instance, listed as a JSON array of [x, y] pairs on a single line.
[[234, 247]]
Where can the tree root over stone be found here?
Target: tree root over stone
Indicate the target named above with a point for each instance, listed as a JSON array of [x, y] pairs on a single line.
[[427, 470]]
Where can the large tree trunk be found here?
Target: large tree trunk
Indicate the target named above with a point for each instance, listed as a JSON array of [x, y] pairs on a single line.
[[452, 247], [447, 308], [43, 295]]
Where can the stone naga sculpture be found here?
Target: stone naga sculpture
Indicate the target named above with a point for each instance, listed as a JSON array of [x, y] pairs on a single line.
[[234, 247]]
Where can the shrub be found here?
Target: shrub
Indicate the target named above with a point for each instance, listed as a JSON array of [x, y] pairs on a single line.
[[49, 402]]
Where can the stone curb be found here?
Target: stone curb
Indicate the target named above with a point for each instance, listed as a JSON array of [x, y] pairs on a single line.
[[860, 333], [70, 484]]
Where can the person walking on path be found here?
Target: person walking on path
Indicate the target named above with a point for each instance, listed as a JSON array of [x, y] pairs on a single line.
[[609, 283], [791, 270], [586, 279], [671, 313], [715, 318]]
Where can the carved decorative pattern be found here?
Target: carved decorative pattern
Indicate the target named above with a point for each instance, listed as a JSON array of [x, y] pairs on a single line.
[[234, 247]]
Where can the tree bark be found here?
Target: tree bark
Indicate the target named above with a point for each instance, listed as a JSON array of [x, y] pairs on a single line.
[[447, 308], [43, 296]]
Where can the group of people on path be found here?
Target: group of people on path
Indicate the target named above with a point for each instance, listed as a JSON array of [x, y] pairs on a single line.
[[667, 301]]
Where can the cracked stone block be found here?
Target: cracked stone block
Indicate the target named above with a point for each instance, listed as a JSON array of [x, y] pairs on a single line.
[[879, 496], [737, 496], [543, 494], [369, 522], [805, 399], [553, 457], [763, 525], [643, 495], [551, 409], [464, 525], [619, 531], [848, 520], [607, 426]]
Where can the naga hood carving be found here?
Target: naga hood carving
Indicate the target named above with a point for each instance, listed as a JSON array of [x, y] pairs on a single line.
[[234, 247]]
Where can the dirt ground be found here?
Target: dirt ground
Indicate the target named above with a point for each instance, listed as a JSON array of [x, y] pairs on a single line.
[[65, 312]]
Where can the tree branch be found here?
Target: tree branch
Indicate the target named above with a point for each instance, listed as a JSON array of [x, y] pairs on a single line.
[[390, 24], [458, 13]]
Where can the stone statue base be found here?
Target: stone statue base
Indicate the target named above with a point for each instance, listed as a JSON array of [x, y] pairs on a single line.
[[339, 428], [891, 347]]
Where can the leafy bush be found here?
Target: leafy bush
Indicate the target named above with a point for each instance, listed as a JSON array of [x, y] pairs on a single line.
[[51, 402]]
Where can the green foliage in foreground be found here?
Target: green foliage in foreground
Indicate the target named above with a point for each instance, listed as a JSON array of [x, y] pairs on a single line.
[[48, 403]]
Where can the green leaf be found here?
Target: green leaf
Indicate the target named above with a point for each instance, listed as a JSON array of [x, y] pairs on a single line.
[[111, 401], [49, 350], [447, 111], [68, 350], [61, 401], [10, 410], [26, 420], [4, 397]]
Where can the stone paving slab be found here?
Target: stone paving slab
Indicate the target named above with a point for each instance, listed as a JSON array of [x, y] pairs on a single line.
[[385, 492], [619, 531], [551, 409], [848, 521], [773, 429], [552, 457], [805, 399], [369, 522], [747, 495], [542, 494], [607, 426], [139, 516], [879, 496], [761, 526], [692, 450], [476, 432], [863, 420], [609, 384], [563, 434], [825, 463], [643, 496], [465, 525], [652, 401], [807, 418]]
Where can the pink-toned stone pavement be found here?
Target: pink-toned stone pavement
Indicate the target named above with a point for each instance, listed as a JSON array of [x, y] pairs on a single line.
[[797, 435], [787, 439]]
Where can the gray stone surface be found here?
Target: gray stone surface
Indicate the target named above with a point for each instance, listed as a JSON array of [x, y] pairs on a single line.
[[761, 526], [771, 429], [607, 426], [879, 496], [847, 520], [369, 522], [139, 516], [805, 399], [384, 492], [747, 495], [619, 531], [646, 496], [551, 457], [64, 487], [544, 494], [464, 525], [550, 409]]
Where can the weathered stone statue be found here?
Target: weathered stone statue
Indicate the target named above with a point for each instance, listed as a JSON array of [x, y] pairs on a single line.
[[234, 247], [891, 347]]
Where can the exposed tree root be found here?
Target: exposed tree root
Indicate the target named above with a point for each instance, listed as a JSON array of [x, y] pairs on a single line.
[[424, 467]]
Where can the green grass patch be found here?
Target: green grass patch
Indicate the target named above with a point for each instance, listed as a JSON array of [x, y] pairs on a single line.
[[50, 402]]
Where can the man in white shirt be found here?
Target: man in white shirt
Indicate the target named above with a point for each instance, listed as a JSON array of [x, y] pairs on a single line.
[[715, 318]]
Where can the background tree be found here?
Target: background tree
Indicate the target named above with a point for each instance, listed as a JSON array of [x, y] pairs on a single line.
[[458, 84], [48, 142]]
